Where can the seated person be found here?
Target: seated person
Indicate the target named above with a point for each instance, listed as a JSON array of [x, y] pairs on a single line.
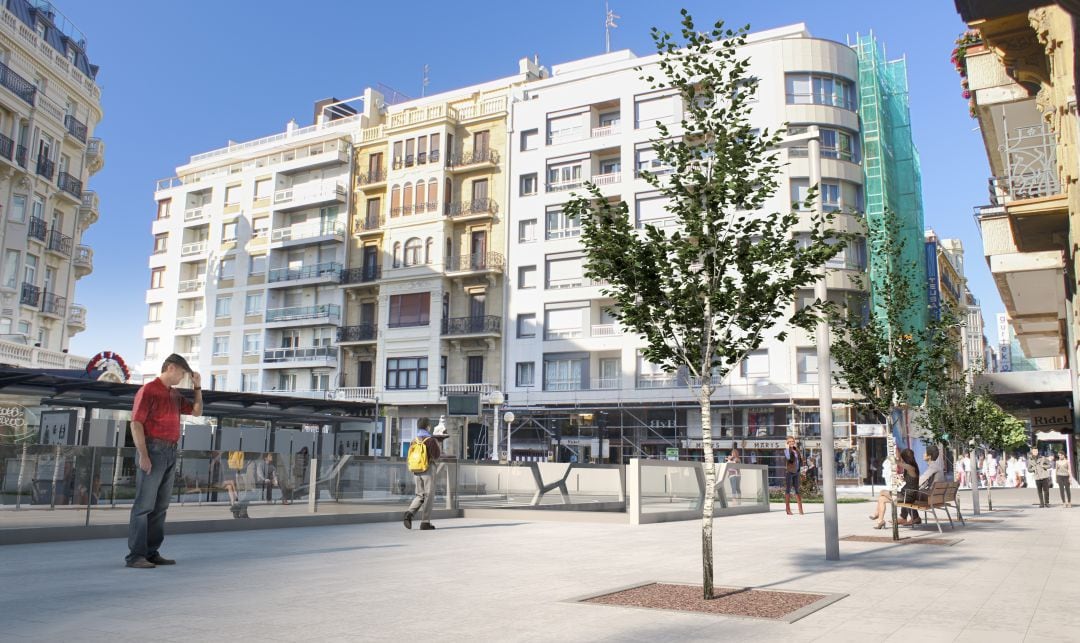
[[910, 471]]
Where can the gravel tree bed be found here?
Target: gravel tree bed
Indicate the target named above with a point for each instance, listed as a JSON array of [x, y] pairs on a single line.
[[729, 601]]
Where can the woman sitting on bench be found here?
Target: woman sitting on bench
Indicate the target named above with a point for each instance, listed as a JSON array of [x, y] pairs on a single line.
[[910, 471]]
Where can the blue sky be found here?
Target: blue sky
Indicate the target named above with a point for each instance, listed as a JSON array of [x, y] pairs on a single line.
[[182, 78]]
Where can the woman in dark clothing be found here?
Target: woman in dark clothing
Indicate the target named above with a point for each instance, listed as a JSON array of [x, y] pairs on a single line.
[[910, 471]]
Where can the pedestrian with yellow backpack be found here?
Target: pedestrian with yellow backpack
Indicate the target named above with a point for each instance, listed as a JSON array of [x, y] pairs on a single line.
[[423, 456]]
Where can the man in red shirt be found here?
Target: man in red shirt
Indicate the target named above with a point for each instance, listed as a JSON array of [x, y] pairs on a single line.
[[155, 430]]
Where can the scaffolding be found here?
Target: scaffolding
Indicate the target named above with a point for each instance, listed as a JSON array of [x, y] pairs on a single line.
[[891, 175]]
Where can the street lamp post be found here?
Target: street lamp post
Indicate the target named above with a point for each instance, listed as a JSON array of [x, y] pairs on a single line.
[[496, 398]]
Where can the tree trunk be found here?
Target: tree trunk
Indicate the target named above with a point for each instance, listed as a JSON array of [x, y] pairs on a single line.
[[705, 399]]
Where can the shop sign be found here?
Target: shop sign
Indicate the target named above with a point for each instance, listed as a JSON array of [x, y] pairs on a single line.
[[1053, 419], [870, 430], [672, 453]]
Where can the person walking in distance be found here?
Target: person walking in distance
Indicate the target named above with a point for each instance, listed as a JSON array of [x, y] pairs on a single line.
[[155, 430], [1040, 468], [793, 461], [423, 456], [1061, 472]]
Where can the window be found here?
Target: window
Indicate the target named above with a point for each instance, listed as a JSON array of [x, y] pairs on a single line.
[[227, 268], [566, 176], [527, 231], [564, 323], [820, 89], [157, 277], [37, 208], [223, 306], [153, 313], [530, 138], [410, 310], [11, 268], [610, 373], [397, 254], [525, 374], [161, 243], [562, 129], [256, 264], [412, 251], [228, 231], [249, 382], [565, 271], [219, 381], [320, 381], [406, 373], [30, 269], [835, 195], [839, 144], [151, 349], [560, 225], [755, 364], [807, 365], [164, 207], [526, 325], [232, 194], [650, 375], [253, 303], [526, 277], [24, 328], [18, 208], [651, 211], [647, 111], [260, 227], [564, 373], [610, 166], [252, 343], [609, 119], [263, 188], [528, 184], [221, 345]]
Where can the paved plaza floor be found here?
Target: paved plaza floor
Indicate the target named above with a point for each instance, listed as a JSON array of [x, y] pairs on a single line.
[[1011, 577]]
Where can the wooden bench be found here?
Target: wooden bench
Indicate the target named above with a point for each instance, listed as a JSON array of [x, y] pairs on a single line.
[[940, 495]]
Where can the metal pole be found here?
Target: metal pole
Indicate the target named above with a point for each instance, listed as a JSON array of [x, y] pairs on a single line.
[[824, 359]]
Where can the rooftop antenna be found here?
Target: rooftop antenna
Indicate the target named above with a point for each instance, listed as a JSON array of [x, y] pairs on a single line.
[[424, 83], [609, 24]]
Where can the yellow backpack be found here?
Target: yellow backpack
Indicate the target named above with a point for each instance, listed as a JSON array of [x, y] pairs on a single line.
[[418, 457], [236, 460]]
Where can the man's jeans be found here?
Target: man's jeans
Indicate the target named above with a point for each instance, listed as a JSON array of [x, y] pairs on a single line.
[[425, 493], [146, 529], [1042, 486]]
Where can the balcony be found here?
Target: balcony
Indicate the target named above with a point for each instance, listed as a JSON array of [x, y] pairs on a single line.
[[29, 295], [354, 393], [95, 155], [360, 333], [606, 330], [479, 325], [472, 160], [322, 271], [53, 305], [37, 229], [368, 224], [320, 354], [189, 323], [20, 155], [573, 282], [77, 317], [83, 261], [372, 178], [88, 208], [69, 184], [476, 262], [306, 196], [59, 243], [193, 215], [606, 179], [7, 148], [193, 248], [75, 127], [659, 380], [467, 389], [568, 184], [191, 286], [605, 130], [45, 168], [606, 384], [328, 313], [17, 85], [472, 209], [364, 275], [309, 232]]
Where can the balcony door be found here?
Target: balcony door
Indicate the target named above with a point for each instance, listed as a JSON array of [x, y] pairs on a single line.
[[375, 165], [481, 141], [365, 373], [475, 370], [367, 313], [477, 305], [371, 261], [478, 243], [479, 195]]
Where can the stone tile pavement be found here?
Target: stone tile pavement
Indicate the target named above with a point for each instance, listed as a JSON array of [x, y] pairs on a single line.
[[509, 580]]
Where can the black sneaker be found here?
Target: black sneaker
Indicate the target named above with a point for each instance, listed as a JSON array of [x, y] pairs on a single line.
[[424, 526], [158, 559], [408, 520], [140, 563]]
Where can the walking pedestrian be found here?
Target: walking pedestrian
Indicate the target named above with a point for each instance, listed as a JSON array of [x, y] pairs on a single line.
[[155, 430], [423, 475], [1061, 472], [793, 461], [1040, 467]]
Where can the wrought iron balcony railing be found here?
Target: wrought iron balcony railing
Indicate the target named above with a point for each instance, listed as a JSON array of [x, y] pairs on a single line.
[[45, 167], [476, 261], [69, 184], [29, 294], [358, 333], [1030, 166], [472, 325], [52, 304], [59, 242], [75, 127], [372, 177], [37, 229], [472, 206], [18, 85], [7, 147], [474, 157], [360, 275]]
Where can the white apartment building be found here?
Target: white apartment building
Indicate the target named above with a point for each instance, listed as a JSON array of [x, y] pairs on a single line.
[[248, 247], [49, 107], [576, 381]]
